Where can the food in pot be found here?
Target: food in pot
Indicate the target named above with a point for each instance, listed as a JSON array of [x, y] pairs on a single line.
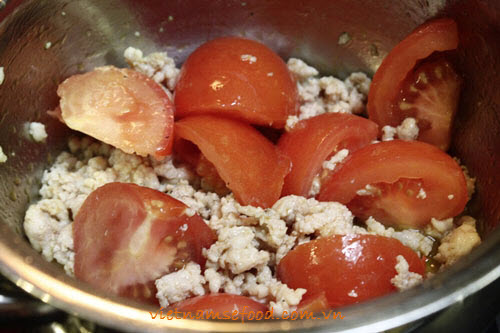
[[134, 113], [409, 83], [351, 268], [239, 78], [231, 212]]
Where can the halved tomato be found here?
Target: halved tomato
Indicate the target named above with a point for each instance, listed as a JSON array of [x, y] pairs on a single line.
[[436, 35], [410, 182], [238, 78], [430, 94], [252, 167], [121, 107], [347, 269], [126, 236], [222, 305], [313, 140]]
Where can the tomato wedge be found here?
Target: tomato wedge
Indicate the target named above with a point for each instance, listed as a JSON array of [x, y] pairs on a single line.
[[238, 78], [314, 303], [189, 154], [397, 171], [436, 35], [126, 236], [430, 94], [121, 107], [347, 269], [252, 167], [222, 306], [313, 140]]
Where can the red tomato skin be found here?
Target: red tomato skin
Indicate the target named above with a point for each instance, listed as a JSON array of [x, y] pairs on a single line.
[[90, 99], [252, 167], [338, 265], [224, 304], [108, 222], [435, 35], [215, 79], [313, 140], [390, 161]]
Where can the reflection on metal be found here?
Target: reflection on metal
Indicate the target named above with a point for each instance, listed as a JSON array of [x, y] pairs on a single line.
[[3, 3], [17, 304]]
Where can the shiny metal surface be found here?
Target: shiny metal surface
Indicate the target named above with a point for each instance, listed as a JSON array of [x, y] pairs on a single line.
[[88, 33], [15, 304]]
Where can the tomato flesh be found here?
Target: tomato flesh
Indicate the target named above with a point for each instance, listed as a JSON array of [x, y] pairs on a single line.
[[436, 35], [314, 303], [239, 78], [126, 236], [313, 140], [223, 304], [189, 153], [347, 269], [252, 167], [121, 107], [398, 170], [430, 94]]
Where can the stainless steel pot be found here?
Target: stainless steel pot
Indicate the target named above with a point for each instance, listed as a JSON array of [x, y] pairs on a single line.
[[87, 33]]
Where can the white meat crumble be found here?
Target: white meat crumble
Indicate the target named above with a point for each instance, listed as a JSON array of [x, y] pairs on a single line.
[[320, 95], [405, 279], [250, 240], [37, 131], [408, 130], [158, 66], [458, 242]]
